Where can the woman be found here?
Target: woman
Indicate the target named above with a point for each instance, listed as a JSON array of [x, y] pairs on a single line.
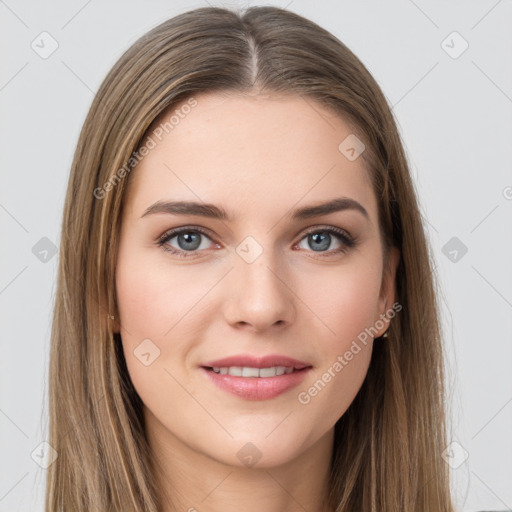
[[246, 302]]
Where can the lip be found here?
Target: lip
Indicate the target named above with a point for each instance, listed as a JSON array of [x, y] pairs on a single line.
[[257, 388]]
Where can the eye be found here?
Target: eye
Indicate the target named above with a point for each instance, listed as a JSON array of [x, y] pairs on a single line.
[[188, 241], [321, 240], [184, 242]]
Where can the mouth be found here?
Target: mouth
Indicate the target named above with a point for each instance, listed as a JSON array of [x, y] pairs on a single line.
[[256, 378], [251, 373]]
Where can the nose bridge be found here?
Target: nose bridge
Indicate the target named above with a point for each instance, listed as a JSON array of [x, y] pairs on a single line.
[[259, 294]]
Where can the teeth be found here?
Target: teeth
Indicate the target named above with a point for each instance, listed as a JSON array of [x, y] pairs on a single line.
[[250, 372], [268, 372], [238, 371]]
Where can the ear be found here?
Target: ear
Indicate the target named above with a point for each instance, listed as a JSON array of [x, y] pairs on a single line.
[[387, 291]]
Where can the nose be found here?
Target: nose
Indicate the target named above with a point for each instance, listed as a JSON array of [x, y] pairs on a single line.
[[260, 297]]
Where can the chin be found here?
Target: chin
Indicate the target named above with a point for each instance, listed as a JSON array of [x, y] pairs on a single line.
[[261, 451]]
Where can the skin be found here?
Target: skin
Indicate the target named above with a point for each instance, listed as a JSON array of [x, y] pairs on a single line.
[[259, 158]]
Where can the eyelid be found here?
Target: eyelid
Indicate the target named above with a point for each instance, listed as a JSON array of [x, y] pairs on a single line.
[[326, 227], [182, 229]]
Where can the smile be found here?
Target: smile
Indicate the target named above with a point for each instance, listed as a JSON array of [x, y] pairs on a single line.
[[244, 371], [254, 377]]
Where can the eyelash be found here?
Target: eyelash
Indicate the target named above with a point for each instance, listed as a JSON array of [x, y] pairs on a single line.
[[348, 242]]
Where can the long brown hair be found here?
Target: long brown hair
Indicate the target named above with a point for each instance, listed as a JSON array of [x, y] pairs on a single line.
[[388, 444]]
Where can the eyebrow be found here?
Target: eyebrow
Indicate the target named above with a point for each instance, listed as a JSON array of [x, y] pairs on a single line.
[[215, 212]]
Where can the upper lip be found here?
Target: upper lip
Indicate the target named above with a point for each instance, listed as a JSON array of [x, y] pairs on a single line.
[[250, 361]]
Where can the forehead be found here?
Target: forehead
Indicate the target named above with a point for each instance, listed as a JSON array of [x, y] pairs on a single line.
[[257, 153]]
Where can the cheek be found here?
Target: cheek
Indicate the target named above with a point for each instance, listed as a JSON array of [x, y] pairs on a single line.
[[345, 301], [159, 308], [152, 297], [146, 310]]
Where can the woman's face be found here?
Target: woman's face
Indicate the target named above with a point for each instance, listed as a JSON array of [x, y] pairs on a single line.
[[257, 277]]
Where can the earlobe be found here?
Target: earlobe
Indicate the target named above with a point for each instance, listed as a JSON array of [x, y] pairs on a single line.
[[114, 324]]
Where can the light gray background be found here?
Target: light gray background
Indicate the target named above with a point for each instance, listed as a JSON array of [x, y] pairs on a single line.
[[455, 118]]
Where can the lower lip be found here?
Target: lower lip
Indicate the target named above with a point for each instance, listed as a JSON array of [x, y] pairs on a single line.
[[257, 388]]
